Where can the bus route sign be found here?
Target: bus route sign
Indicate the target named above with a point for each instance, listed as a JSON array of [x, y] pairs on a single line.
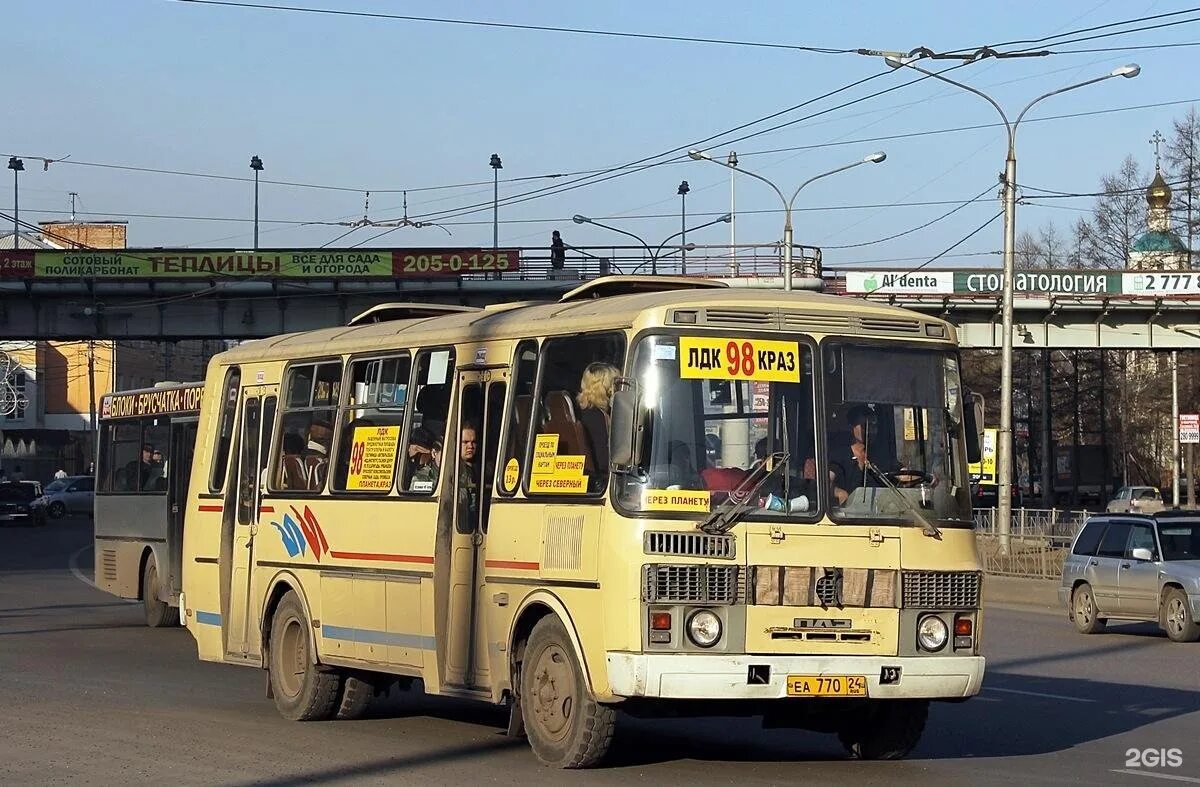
[[715, 358]]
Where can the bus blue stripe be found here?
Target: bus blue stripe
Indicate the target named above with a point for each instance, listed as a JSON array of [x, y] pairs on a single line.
[[373, 637], [208, 618]]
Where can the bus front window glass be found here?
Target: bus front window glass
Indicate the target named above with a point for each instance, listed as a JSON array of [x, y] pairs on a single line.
[[893, 431], [122, 459], [713, 428]]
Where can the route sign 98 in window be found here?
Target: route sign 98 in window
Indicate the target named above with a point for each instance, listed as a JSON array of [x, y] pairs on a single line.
[[717, 358]]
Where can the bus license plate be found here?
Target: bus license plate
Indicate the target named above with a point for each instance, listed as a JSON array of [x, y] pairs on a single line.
[[826, 686]]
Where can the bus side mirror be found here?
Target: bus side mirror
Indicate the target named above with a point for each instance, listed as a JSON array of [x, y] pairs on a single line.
[[973, 427], [625, 448]]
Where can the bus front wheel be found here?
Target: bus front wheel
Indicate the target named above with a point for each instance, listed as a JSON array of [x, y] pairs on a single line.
[[886, 730], [158, 613], [303, 690], [566, 727]]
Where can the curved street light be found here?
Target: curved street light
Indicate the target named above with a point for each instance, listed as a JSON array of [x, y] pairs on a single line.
[[1004, 434], [655, 254], [874, 158]]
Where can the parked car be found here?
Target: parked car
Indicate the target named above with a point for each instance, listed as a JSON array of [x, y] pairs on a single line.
[[16, 504], [71, 495], [1136, 567], [1136, 500]]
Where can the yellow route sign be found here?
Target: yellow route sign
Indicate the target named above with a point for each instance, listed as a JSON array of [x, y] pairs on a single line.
[[717, 358]]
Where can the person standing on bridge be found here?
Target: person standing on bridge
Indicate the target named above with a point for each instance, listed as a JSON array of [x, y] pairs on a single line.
[[558, 251]]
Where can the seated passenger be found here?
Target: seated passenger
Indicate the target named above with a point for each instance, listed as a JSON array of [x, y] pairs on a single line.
[[316, 463], [422, 468], [595, 407], [681, 471], [291, 470]]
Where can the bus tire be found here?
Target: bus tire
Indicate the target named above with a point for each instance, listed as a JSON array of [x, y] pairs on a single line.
[[354, 698], [158, 612], [303, 690], [565, 726], [886, 731]]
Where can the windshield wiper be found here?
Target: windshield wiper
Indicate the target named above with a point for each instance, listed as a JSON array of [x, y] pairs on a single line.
[[722, 518], [927, 527]]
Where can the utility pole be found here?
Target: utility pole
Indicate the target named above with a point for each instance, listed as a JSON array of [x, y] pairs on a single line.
[[256, 164], [16, 165], [91, 353], [683, 192], [74, 195], [733, 263], [1175, 428]]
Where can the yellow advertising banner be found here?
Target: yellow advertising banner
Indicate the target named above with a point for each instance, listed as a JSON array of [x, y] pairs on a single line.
[[716, 358], [373, 458], [985, 470]]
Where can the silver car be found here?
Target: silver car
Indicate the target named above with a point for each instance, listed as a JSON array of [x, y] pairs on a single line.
[[1136, 567], [71, 495]]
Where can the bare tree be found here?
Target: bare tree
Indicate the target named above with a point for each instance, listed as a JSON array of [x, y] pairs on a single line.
[[1183, 162]]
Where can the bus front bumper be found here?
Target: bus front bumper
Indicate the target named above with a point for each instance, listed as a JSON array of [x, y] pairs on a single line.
[[717, 676]]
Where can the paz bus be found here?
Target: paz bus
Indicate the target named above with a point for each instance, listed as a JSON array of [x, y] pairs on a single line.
[[656, 495], [144, 461]]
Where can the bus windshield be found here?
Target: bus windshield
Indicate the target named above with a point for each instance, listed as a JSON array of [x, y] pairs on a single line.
[[885, 440]]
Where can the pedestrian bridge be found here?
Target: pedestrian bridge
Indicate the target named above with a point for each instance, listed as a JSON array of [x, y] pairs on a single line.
[[227, 294]]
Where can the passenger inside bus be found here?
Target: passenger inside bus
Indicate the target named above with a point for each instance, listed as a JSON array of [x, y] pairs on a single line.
[[422, 468], [468, 471], [292, 470], [316, 460], [595, 406]]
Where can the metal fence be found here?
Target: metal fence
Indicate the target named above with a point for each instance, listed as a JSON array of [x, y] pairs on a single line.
[[1038, 541]]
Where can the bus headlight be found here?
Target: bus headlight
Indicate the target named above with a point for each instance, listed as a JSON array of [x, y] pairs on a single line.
[[932, 633], [704, 628]]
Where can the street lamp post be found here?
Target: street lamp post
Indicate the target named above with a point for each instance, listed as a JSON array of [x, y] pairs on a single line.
[[874, 158], [256, 165], [1004, 435], [16, 165], [683, 192], [654, 254], [496, 166]]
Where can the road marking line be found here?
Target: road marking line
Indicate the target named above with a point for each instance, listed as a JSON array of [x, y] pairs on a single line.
[[1172, 777], [1039, 694], [73, 564]]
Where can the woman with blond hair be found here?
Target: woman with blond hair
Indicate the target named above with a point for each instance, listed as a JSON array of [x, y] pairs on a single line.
[[595, 403]]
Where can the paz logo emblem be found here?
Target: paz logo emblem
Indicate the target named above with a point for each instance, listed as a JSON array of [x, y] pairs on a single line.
[[821, 623]]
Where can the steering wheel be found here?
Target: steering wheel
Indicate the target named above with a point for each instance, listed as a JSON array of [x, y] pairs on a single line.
[[912, 476]]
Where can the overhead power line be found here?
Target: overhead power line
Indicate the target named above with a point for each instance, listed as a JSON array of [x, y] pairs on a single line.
[[515, 26]]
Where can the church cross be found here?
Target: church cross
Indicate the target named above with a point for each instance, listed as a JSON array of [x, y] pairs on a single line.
[[1156, 141]]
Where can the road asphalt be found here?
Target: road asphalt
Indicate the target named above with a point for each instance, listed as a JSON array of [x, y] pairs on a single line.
[[91, 696]]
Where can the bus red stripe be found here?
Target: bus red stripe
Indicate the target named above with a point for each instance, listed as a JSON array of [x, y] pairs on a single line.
[[266, 509], [521, 564], [378, 556], [211, 508]]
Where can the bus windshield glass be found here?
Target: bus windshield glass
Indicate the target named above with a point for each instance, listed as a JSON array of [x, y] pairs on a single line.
[[714, 410], [893, 434]]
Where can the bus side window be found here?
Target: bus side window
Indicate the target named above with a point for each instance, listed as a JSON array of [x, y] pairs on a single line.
[[124, 442], [372, 419], [228, 405], [574, 399], [306, 428], [524, 377], [432, 381]]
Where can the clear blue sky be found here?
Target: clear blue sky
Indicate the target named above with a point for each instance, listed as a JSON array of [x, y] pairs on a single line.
[[374, 104]]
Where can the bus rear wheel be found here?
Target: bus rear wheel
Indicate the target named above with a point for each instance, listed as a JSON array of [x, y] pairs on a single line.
[[158, 613], [303, 690], [354, 698], [566, 727], [887, 730]]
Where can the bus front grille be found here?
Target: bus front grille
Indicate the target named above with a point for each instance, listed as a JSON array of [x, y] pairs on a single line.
[[941, 589], [690, 584], [659, 542]]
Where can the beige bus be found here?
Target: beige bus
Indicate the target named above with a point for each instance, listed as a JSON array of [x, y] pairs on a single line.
[[654, 495]]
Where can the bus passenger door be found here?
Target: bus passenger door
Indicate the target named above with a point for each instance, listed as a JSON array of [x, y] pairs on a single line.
[[179, 471], [481, 408], [257, 420]]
